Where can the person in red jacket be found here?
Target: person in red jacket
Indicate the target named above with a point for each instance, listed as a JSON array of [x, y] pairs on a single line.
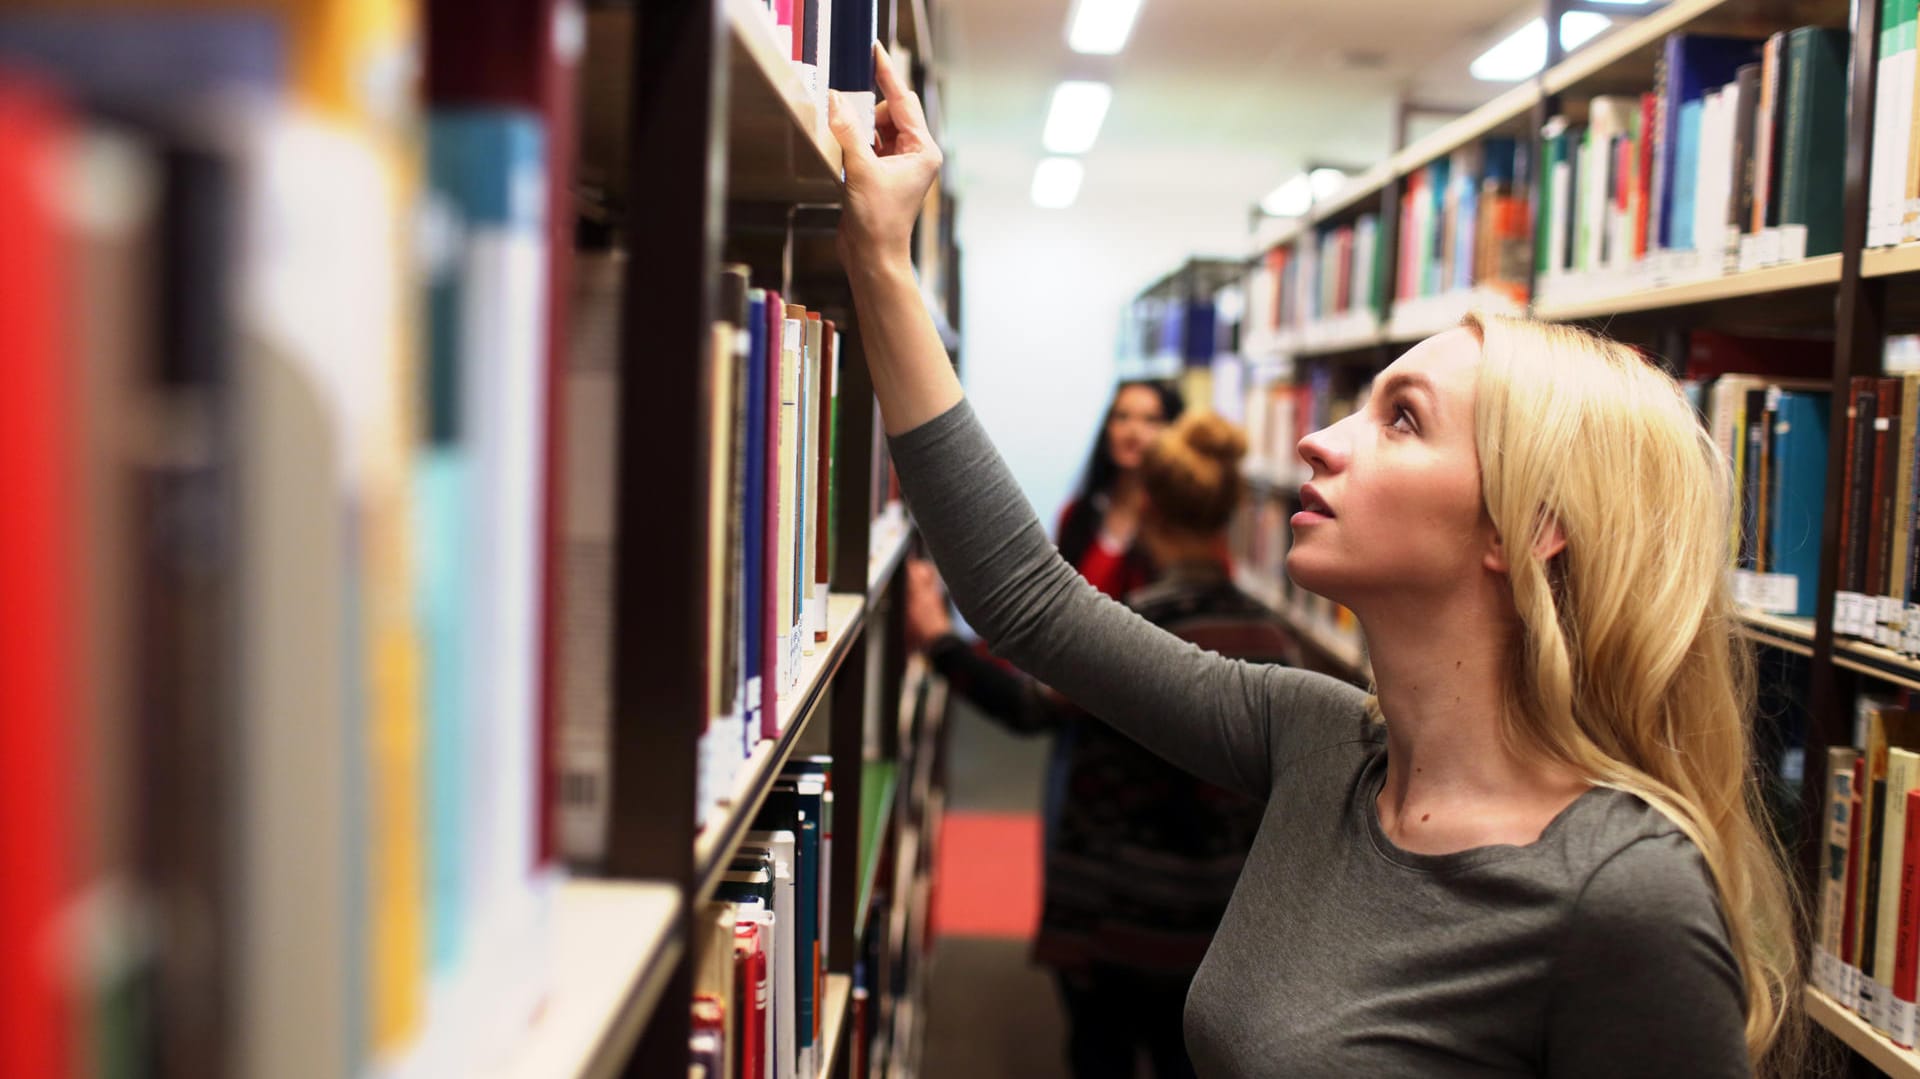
[[1099, 527]]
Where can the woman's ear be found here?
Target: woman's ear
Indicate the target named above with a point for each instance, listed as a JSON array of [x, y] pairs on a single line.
[[1549, 540]]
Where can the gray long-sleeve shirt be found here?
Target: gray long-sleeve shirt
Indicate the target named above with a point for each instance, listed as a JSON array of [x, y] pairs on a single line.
[[1597, 950]]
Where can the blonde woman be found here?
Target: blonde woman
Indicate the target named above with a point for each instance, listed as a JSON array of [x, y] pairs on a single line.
[[1534, 850]]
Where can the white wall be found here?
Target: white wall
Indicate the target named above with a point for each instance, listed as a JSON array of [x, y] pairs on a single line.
[[1042, 292]]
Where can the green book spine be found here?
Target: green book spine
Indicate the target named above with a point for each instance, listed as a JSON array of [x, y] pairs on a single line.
[[1812, 172], [1543, 222]]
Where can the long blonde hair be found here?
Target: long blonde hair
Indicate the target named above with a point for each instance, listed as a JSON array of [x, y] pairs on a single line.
[[1630, 670]]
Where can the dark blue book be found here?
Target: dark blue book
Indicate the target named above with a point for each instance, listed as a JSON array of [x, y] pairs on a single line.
[[795, 805], [753, 511], [1800, 491], [1692, 65], [855, 26]]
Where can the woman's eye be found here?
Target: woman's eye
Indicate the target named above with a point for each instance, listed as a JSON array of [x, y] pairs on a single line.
[[1402, 419]]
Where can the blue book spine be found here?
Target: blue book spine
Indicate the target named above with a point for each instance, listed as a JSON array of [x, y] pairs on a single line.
[[754, 534], [1695, 63], [1686, 175], [485, 171], [1800, 494]]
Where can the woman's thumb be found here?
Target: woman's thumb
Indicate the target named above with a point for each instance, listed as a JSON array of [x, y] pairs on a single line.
[[847, 133]]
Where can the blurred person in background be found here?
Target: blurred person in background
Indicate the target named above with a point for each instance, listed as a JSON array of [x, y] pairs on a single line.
[[1098, 528], [1141, 857]]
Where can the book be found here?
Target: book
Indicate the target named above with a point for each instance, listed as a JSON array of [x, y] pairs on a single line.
[[1800, 456], [37, 825], [1903, 774], [1905, 1024], [1830, 961], [1886, 729], [1814, 148], [1690, 65], [1850, 976], [823, 483]]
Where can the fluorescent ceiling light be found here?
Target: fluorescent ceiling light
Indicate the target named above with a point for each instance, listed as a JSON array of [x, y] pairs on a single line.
[[1295, 197], [1524, 52], [1100, 27], [1056, 182], [1073, 121]]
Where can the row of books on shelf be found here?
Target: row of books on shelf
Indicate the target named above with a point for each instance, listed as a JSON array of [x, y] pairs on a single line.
[[829, 42], [1464, 226], [1732, 162], [278, 541], [1774, 434], [1867, 930], [1334, 278], [1878, 597], [761, 945]]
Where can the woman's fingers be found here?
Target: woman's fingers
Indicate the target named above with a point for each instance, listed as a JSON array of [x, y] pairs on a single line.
[[907, 116], [856, 152]]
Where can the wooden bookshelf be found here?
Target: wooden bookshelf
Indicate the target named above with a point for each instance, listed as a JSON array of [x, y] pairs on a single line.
[[715, 846], [1894, 1061], [616, 946], [1622, 43], [1357, 191], [1792, 634], [877, 792], [892, 537], [836, 1002], [778, 145], [1507, 111], [1890, 261], [1820, 272], [1883, 664]]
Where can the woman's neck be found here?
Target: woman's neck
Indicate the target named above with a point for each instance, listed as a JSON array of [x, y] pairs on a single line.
[[1453, 782]]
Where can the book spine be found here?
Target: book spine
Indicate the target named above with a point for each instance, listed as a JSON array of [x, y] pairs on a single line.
[[1849, 925], [1835, 858], [771, 650], [1906, 955], [829, 409], [1892, 842]]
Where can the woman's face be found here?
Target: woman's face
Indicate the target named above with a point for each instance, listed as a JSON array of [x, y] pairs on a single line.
[[1394, 506], [1136, 420]]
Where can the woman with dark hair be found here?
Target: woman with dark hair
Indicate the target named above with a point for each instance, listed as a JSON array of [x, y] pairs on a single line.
[[1098, 528]]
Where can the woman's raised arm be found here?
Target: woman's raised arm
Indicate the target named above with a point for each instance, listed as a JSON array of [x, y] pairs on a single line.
[[1204, 713]]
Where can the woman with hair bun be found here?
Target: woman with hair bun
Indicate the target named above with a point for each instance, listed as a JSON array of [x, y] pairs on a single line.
[[1141, 857]]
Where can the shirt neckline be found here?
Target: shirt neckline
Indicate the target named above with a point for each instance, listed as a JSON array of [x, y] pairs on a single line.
[[1374, 777]]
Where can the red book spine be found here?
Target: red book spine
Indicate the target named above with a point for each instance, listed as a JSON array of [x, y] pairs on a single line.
[[770, 627], [36, 621], [1906, 953], [1643, 180], [750, 972]]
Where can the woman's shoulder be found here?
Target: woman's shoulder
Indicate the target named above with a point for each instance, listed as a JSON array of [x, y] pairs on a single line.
[[1632, 864]]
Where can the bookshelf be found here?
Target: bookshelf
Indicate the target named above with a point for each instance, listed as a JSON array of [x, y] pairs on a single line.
[[778, 145], [1820, 272], [1890, 1059], [734, 164], [615, 947], [1854, 297]]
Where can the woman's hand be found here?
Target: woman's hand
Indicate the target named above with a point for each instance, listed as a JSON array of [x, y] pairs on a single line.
[[887, 183], [927, 616]]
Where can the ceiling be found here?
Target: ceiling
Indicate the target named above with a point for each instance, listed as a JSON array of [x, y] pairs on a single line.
[[1213, 99]]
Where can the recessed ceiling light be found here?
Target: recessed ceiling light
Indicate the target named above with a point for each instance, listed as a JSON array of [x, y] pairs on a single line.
[[1296, 197], [1056, 182], [1074, 118], [1101, 27], [1523, 53]]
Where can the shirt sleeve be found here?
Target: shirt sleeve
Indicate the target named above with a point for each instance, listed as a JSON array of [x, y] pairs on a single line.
[[1212, 716], [1001, 693], [1647, 984]]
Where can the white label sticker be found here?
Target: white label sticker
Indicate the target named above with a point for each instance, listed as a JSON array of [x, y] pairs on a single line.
[[1793, 243], [1774, 593]]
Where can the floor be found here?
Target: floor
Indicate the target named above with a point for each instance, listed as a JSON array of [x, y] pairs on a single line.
[[990, 1012]]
